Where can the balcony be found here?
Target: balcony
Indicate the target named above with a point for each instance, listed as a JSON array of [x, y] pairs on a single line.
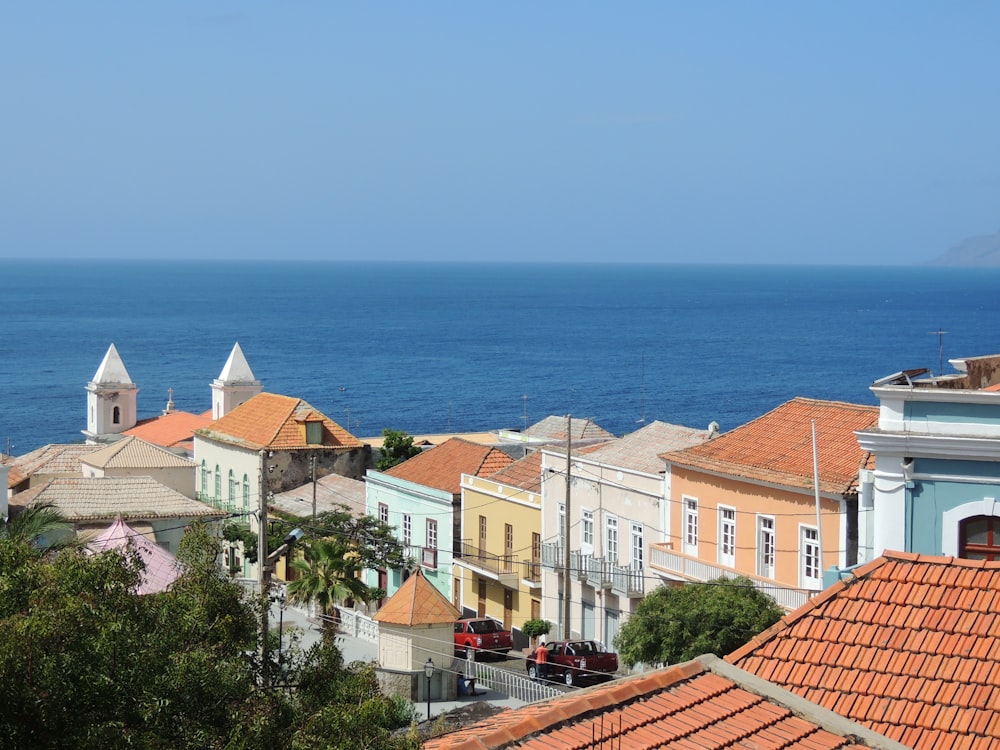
[[627, 581], [663, 559], [553, 557], [501, 568], [532, 573], [429, 558]]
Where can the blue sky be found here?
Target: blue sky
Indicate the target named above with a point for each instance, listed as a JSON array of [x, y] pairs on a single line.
[[711, 132]]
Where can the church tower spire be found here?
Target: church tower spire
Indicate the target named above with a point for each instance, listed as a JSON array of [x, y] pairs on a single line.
[[111, 400], [235, 384]]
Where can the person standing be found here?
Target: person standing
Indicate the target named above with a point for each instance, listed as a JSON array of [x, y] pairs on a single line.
[[541, 661]]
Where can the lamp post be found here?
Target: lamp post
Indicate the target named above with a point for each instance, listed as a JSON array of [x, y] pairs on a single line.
[[428, 673]]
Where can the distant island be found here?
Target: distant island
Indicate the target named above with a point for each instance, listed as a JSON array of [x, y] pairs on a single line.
[[974, 251]]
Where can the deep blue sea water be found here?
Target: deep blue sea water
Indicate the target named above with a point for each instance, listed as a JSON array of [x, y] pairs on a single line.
[[458, 347]]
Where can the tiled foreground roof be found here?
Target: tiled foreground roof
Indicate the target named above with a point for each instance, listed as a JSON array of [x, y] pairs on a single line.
[[700, 705], [909, 645]]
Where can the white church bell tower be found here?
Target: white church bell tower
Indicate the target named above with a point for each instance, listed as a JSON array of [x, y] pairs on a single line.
[[235, 384], [111, 400]]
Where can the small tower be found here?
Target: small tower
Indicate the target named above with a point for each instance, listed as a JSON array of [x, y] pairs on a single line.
[[111, 399], [235, 384]]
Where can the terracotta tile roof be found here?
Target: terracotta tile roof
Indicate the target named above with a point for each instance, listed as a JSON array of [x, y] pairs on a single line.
[[332, 492], [269, 420], [55, 459], [14, 475], [134, 453], [554, 428], [417, 602], [442, 467], [700, 705], [80, 499], [525, 473], [175, 429], [777, 447], [640, 450], [908, 645]]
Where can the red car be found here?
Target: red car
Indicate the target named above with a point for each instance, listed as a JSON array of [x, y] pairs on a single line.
[[476, 636], [576, 661]]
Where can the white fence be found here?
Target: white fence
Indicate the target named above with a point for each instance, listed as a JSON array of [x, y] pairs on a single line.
[[358, 625], [510, 684]]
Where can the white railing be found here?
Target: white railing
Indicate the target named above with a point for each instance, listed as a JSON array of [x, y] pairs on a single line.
[[510, 684], [358, 625], [671, 562]]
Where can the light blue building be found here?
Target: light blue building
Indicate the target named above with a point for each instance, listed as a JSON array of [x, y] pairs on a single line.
[[936, 477]]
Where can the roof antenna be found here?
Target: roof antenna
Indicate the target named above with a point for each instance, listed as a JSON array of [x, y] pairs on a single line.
[[642, 419], [940, 334]]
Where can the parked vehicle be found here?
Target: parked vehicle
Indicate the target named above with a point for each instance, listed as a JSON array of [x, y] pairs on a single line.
[[576, 662], [478, 636]]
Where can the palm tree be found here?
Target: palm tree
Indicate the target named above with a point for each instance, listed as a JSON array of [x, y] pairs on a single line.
[[43, 526], [326, 574]]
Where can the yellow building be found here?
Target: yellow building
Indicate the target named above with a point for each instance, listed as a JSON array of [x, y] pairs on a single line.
[[499, 571]]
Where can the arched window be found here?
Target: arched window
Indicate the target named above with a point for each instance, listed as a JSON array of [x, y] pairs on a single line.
[[979, 538], [204, 477], [246, 492], [232, 488], [116, 415], [218, 483]]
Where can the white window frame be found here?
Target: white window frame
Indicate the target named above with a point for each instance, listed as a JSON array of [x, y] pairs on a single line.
[[383, 512], [407, 529], [810, 559], [766, 545], [727, 536], [611, 538], [561, 523], [587, 531], [689, 526], [432, 534], [637, 545]]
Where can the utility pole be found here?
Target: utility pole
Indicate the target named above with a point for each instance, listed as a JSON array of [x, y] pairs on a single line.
[[566, 526], [263, 573], [313, 461]]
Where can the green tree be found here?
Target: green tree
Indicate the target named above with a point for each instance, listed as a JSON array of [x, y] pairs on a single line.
[[397, 446], [326, 573], [374, 540], [675, 624], [43, 526]]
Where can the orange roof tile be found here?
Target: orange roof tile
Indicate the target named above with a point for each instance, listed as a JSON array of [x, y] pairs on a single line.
[[928, 677], [417, 602], [442, 467], [170, 430], [525, 473], [702, 704], [269, 420], [777, 447]]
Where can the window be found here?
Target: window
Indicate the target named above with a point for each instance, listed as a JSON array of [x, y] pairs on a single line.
[[429, 556], [979, 538], [587, 532], [727, 537], [218, 483], [204, 477], [611, 538], [636, 545], [482, 533], [314, 432], [765, 546], [116, 415], [246, 492], [508, 539], [432, 533], [562, 524], [809, 558], [383, 513], [232, 488], [407, 529], [690, 526], [536, 546]]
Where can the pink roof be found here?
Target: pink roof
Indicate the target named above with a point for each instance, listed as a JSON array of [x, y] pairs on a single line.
[[162, 568]]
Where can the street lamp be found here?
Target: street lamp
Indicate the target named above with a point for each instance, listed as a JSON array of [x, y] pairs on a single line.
[[428, 673]]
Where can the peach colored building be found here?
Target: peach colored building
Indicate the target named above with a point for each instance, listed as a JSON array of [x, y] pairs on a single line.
[[746, 503]]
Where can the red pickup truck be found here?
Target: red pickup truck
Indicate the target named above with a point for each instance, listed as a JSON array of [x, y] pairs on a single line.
[[477, 636], [576, 662]]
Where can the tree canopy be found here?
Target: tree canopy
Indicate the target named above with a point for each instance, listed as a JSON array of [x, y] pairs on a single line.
[[677, 623], [397, 446]]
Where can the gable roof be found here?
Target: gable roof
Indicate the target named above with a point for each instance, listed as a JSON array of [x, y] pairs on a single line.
[[161, 568], [700, 705], [54, 459], [417, 602], [332, 492], [269, 420], [525, 473], [907, 644], [640, 450], [133, 453], [175, 429], [777, 447], [554, 428], [87, 499], [442, 467]]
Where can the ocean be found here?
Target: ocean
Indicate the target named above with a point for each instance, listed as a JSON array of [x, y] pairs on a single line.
[[429, 348]]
